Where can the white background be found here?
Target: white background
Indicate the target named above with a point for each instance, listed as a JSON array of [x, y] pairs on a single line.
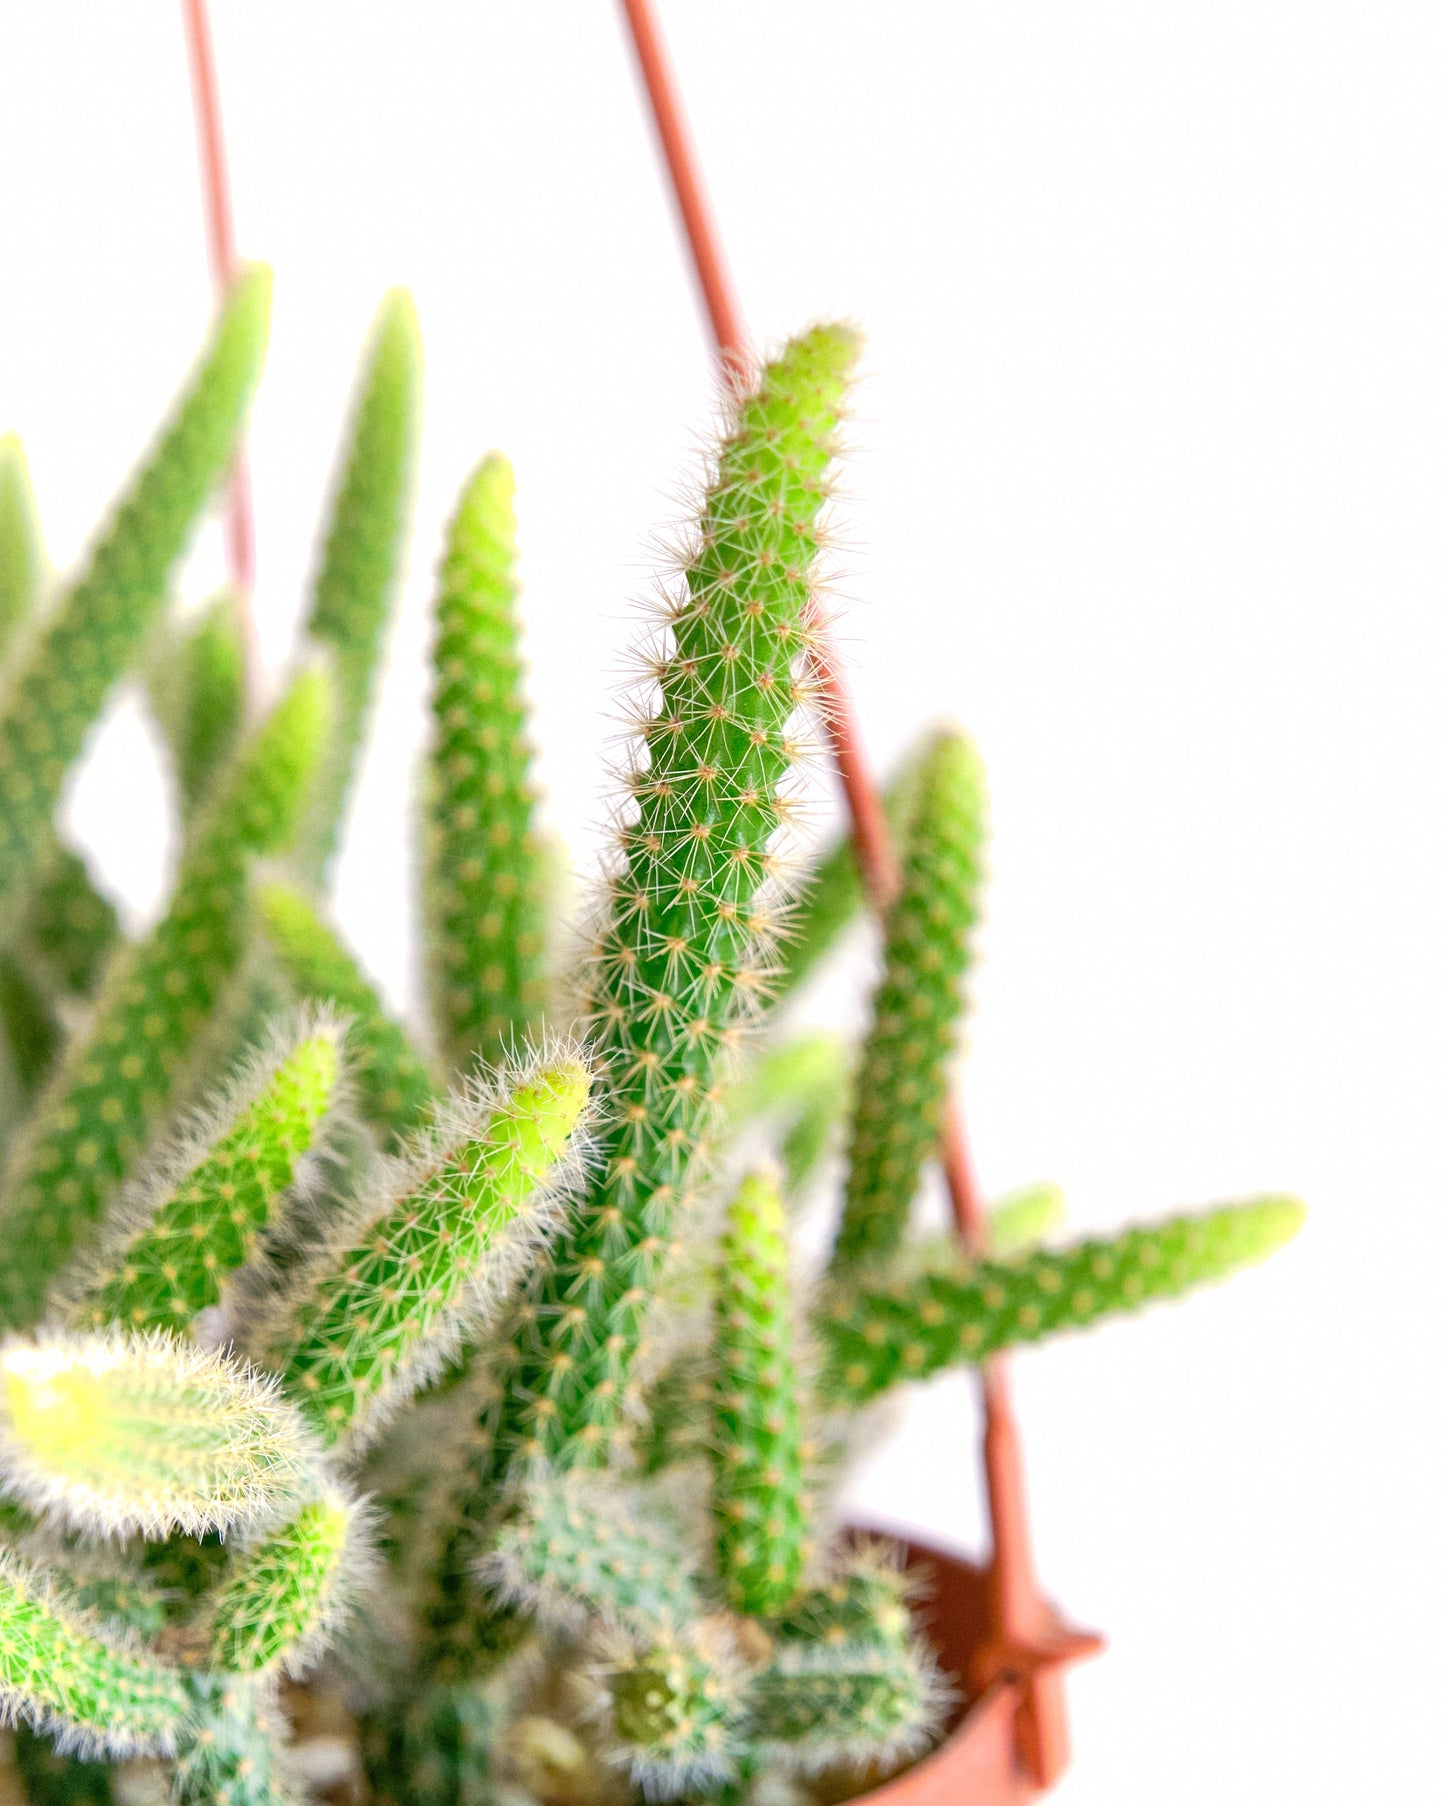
[[1147, 492]]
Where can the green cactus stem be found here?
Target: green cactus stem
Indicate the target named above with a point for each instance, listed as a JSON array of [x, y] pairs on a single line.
[[387, 1303], [68, 930], [361, 564], [32, 1032], [831, 897], [65, 935], [116, 1597], [195, 1219], [22, 550], [435, 1748], [864, 1601], [576, 1549], [680, 960], [99, 624], [679, 1409], [60, 1673], [904, 1069], [485, 883], [394, 1092], [289, 1593], [117, 1435], [845, 1705], [230, 1753], [50, 1779], [100, 1110], [759, 1508], [196, 687], [673, 1711], [876, 1338]]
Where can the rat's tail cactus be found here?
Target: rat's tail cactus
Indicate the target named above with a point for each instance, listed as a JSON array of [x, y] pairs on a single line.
[[483, 1339]]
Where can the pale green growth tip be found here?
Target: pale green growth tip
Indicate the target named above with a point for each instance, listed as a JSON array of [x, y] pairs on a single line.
[[756, 1214], [190, 1223], [117, 1435], [488, 503], [287, 1596], [22, 554], [383, 1307], [1023, 1217], [542, 1114]]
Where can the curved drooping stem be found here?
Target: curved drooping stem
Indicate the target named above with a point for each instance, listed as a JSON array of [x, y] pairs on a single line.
[[1041, 1732]]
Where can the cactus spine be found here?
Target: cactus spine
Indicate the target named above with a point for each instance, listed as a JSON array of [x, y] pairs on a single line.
[[759, 1505], [98, 625], [914, 1328], [362, 559], [394, 1090], [217, 1192], [100, 1110], [484, 883], [904, 1068]]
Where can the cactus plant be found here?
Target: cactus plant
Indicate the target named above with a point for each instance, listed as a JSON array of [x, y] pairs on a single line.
[[267, 1249]]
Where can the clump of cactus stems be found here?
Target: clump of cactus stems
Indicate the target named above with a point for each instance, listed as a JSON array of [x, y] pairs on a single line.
[[472, 1367]]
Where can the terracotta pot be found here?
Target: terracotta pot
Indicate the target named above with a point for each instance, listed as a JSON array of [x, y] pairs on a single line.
[[977, 1763]]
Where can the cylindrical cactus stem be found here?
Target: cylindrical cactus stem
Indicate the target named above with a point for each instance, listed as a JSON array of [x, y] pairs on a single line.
[[575, 1548], [876, 1338], [288, 1592], [191, 1222], [361, 563], [831, 896], [68, 930], [117, 1080], [903, 1073], [436, 1747], [759, 1509], [99, 625], [484, 882], [118, 1435], [32, 1033], [196, 687], [60, 1673], [388, 1301], [22, 550], [679, 1412], [835, 1705], [231, 1752], [394, 1092], [681, 958], [63, 937], [672, 1710]]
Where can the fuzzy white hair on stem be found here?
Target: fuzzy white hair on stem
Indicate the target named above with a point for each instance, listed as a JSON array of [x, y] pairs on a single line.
[[119, 1434]]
